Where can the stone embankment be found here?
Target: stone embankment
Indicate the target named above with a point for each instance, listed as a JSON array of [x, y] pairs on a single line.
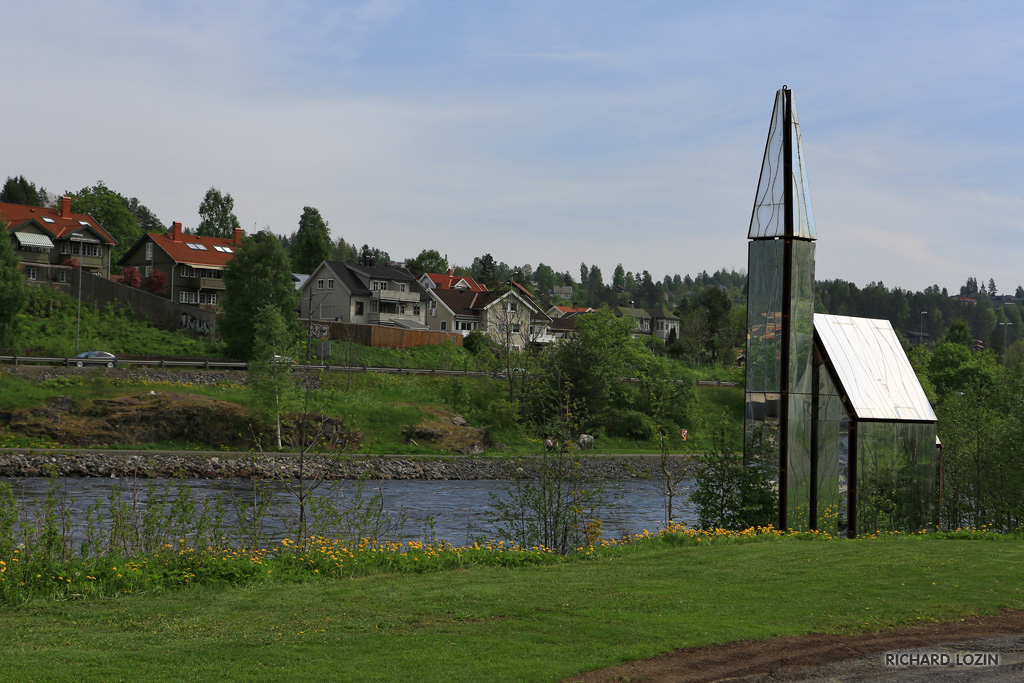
[[120, 464]]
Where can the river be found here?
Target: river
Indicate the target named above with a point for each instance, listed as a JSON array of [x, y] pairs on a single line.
[[456, 511]]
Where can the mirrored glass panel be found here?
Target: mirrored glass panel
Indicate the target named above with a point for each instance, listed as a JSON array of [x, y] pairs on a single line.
[[895, 477]]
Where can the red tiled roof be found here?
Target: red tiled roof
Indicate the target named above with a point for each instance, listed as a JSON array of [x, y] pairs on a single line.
[[574, 309], [449, 282], [61, 225], [175, 244]]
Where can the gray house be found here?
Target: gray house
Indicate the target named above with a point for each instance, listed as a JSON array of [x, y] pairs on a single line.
[[366, 295]]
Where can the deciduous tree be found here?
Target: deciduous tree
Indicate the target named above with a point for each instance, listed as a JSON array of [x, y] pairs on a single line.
[[111, 210], [259, 275], [216, 215], [429, 261], [12, 290]]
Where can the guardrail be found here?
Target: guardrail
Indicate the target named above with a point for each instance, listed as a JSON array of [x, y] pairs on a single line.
[[234, 365]]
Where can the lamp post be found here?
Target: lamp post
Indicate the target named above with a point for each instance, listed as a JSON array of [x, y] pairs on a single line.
[[923, 314], [1005, 330], [78, 325]]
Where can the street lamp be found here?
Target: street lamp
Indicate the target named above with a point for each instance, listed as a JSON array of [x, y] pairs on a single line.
[[78, 327], [1004, 326], [923, 314]]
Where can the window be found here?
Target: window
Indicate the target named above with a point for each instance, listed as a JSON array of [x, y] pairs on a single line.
[[31, 273], [374, 306], [510, 306], [62, 276], [149, 271], [207, 298], [226, 250], [197, 247], [444, 325], [320, 283], [49, 220], [401, 309], [515, 327], [416, 309], [183, 297], [65, 247], [149, 251], [380, 285], [359, 308], [330, 283], [401, 286]]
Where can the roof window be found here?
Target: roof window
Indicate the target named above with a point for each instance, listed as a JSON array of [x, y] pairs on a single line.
[[197, 247], [48, 220], [83, 222]]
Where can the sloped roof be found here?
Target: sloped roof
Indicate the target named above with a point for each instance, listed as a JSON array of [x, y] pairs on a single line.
[[464, 301], [177, 248], [349, 273], [51, 221], [449, 281], [871, 369]]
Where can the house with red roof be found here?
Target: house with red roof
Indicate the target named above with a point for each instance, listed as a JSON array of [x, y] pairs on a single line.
[[46, 238], [451, 281], [563, 311], [194, 264]]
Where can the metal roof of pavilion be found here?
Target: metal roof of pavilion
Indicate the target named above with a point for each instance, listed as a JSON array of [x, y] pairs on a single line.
[[871, 369]]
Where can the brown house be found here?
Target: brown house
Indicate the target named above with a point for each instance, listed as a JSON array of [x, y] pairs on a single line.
[[194, 265], [45, 239]]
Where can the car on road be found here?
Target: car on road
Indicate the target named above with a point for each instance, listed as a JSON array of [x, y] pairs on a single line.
[[92, 358]]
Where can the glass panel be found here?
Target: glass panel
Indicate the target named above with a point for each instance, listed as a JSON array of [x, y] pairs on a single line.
[[801, 318], [798, 472], [803, 218], [896, 477], [769, 203], [761, 437], [764, 315], [833, 457]]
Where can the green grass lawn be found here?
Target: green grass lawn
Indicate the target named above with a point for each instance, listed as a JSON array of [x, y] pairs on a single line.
[[536, 623]]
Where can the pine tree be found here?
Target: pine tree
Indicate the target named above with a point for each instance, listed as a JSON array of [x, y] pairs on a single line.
[[312, 242]]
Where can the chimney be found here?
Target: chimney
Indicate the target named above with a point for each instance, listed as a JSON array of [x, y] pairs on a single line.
[[65, 207], [237, 237], [175, 233], [450, 272]]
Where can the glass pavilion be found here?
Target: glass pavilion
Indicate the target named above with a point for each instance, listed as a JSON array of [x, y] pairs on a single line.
[[832, 403]]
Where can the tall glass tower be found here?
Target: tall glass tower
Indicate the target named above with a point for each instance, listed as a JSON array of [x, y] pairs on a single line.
[[833, 407]]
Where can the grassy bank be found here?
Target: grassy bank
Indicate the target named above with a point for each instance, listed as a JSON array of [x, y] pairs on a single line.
[[540, 622], [376, 404]]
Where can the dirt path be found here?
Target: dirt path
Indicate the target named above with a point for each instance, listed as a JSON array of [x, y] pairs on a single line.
[[813, 657]]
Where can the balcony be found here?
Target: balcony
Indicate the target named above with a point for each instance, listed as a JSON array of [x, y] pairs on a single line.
[[205, 283], [395, 295]]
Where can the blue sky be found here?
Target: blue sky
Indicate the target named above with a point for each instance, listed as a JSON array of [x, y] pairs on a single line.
[[557, 132]]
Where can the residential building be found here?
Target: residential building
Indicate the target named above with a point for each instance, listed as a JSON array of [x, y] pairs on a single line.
[[368, 295], [46, 239], [507, 316], [450, 281], [650, 321], [194, 264], [563, 311]]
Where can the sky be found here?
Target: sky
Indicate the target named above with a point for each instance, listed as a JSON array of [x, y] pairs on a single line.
[[594, 131]]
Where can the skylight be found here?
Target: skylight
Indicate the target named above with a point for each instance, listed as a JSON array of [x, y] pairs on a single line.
[[83, 222], [197, 247], [48, 220], [226, 250]]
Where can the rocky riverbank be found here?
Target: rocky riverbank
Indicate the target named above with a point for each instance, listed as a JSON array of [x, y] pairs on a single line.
[[206, 466]]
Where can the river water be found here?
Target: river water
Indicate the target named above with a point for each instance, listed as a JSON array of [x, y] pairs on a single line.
[[456, 511]]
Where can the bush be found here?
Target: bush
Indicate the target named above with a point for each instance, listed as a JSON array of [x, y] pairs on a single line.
[[630, 424]]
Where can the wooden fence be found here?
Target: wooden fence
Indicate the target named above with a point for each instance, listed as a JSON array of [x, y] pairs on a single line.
[[379, 336]]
